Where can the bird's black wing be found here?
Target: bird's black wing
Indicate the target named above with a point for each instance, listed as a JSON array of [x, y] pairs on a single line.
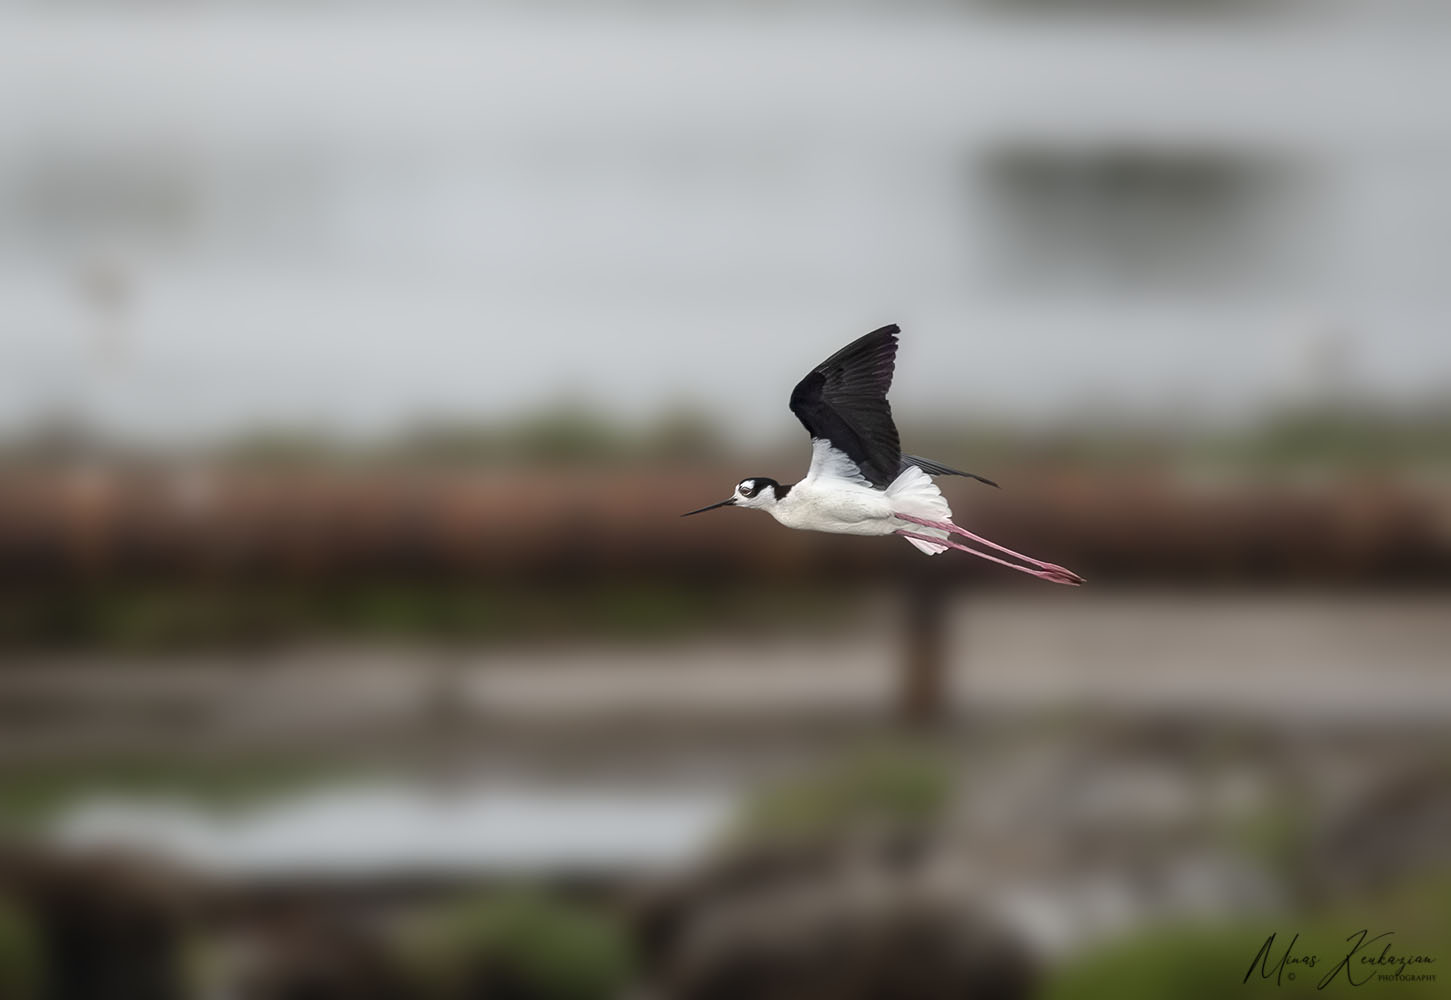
[[938, 469], [843, 405]]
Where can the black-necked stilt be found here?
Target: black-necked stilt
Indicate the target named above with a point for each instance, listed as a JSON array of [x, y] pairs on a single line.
[[859, 482]]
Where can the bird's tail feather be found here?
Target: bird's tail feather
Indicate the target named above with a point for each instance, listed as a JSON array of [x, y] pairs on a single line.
[[913, 492]]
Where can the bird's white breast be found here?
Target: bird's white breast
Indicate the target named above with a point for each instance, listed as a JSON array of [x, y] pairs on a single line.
[[836, 506]]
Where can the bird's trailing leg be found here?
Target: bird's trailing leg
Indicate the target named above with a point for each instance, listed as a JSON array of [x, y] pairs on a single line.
[[1064, 577], [1050, 571]]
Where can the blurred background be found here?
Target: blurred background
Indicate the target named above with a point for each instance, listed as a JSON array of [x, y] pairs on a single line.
[[356, 360]]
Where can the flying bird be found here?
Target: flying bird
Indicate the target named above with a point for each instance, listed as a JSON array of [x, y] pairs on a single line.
[[860, 482]]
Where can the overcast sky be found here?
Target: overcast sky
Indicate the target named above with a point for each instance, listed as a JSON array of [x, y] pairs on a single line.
[[354, 219]]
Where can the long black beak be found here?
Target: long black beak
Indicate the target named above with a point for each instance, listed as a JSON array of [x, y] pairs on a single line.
[[724, 503]]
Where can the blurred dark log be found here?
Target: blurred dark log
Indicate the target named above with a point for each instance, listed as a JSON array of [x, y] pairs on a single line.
[[780, 921], [109, 927], [545, 526]]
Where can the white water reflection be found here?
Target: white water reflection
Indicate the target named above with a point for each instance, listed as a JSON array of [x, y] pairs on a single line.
[[393, 830]]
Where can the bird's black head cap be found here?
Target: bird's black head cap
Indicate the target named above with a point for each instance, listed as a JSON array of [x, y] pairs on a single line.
[[753, 487]]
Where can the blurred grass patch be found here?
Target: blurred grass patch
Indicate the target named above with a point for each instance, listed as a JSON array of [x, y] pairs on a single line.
[[524, 944], [1210, 962], [896, 784], [1335, 437], [1344, 438], [35, 794], [1276, 835], [19, 953], [160, 617], [1337, 434], [568, 434]]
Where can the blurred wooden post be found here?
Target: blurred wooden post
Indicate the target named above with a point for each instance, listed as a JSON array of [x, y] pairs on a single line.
[[445, 710], [922, 694]]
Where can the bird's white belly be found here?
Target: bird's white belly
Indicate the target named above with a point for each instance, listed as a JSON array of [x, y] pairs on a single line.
[[850, 510]]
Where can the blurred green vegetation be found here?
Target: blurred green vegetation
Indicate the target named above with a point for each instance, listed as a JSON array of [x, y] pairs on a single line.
[[1209, 962], [1343, 435], [897, 784], [19, 953], [159, 617], [1276, 836], [31, 795], [1342, 439], [1339, 438], [569, 434], [521, 943]]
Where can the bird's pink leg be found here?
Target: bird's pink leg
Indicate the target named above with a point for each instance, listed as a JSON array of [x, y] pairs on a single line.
[[1054, 575], [957, 530]]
